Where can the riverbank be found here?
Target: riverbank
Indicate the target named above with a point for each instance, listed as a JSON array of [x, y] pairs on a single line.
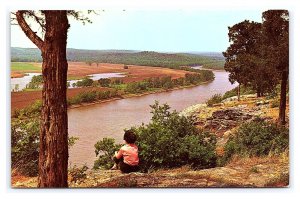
[[126, 96], [21, 100], [222, 119]]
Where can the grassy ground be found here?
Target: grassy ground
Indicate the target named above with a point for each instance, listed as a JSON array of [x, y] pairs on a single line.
[[23, 66]]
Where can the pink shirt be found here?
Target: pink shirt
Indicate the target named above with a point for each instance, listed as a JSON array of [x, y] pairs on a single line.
[[129, 152]]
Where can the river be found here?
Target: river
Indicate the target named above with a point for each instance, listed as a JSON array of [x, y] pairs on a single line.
[[92, 123]]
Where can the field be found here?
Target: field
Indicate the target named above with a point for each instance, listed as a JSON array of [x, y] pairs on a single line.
[[79, 70], [22, 99], [19, 68], [133, 73]]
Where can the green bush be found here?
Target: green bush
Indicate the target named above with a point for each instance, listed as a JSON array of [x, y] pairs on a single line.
[[118, 81], [91, 96], [171, 140], [104, 82], [168, 141], [243, 91], [78, 174], [257, 138], [35, 82], [25, 145], [216, 98], [105, 149], [32, 110], [85, 82]]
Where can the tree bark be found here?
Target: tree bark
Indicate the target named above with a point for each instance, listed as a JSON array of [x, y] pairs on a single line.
[[53, 156], [282, 107]]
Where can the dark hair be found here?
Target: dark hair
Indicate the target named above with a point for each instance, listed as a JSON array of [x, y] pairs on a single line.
[[129, 136]]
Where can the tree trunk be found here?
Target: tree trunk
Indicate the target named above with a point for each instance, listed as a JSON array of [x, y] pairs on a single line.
[[53, 156], [282, 107]]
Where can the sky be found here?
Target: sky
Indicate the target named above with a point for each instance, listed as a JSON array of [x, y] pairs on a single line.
[[151, 30]]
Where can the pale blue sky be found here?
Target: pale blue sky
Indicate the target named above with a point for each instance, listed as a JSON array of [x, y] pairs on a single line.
[[153, 30]]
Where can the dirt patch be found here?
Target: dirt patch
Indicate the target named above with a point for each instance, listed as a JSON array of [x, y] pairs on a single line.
[[22, 99], [133, 73]]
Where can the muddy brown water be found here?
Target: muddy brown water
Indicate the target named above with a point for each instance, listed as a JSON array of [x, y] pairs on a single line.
[[94, 122]]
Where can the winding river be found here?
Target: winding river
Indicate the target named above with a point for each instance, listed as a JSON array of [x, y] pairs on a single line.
[[94, 122]]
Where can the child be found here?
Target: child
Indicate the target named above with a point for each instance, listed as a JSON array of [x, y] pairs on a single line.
[[127, 157]]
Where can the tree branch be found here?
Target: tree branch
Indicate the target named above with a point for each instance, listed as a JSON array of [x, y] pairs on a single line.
[[39, 20], [28, 31]]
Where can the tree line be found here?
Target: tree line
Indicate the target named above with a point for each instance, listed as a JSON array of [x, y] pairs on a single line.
[[258, 56]]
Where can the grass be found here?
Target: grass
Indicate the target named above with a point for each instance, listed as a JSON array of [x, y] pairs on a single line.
[[23, 66], [31, 89], [75, 77]]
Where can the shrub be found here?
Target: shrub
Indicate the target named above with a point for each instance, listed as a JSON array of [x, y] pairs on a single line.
[[91, 96], [86, 96], [85, 82], [25, 145], [243, 91], [78, 174], [118, 81], [35, 82], [105, 150], [29, 111], [217, 98], [104, 82], [169, 140], [257, 138]]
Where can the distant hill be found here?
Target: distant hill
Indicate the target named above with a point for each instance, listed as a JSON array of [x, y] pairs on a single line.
[[130, 57]]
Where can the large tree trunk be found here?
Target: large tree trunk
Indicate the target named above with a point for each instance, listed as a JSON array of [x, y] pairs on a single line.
[[282, 107], [53, 156]]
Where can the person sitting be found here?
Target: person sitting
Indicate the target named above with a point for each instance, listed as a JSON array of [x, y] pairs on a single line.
[[127, 159]]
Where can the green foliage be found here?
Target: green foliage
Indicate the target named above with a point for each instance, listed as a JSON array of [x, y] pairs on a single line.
[[246, 58], [91, 96], [216, 98], [35, 82], [72, 140], [243, 91], [32, 110], [25, 145], [85, 82], [105, 149], [78, 174], [171, 140], [257, 138], [168, 141], [167, 82], [145, 58], [117, 81], [104, 82]]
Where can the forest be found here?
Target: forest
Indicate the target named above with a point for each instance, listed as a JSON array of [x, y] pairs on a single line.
[[146, 58]]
